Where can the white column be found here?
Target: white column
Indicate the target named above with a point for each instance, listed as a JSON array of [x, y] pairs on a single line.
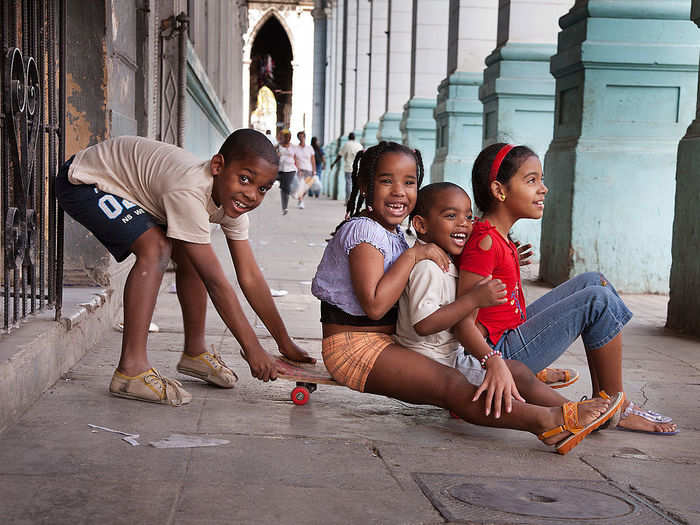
[[472, 36], [428, 65], [350, 66], [362, 67], [398, 75], [377, 81]]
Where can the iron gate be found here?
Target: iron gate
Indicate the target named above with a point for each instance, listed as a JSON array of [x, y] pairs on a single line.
[[33, 144]]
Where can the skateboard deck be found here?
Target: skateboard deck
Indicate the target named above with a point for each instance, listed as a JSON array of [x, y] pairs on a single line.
[[307, 377]]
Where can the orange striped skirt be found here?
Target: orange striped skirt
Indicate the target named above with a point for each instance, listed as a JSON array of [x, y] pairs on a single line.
[[350, 356]]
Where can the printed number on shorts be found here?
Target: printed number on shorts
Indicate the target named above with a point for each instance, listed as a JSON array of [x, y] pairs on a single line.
[[111, 207]]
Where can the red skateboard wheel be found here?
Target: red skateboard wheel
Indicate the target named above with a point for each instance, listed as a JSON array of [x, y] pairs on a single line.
[[300, 395]]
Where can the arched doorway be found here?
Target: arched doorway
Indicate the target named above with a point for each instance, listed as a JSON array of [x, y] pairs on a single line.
[[271, 67]]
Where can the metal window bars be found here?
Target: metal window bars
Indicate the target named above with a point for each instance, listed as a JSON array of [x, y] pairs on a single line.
[[32, 147]]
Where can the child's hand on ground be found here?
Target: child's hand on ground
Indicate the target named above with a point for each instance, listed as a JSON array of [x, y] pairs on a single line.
[[433, 252], [499, 387], [489, 292], [294, 352], [524, 253], [262, 365]]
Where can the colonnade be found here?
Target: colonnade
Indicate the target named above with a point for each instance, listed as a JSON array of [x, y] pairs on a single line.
[[602, 90]]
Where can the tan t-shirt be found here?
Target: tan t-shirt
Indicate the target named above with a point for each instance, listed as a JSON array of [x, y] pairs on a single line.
[[427, 290], [168, 182]]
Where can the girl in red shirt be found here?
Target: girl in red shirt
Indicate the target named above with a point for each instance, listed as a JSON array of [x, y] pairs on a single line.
[[508, 185]]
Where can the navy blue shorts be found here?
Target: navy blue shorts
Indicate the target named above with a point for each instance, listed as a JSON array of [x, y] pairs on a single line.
[[114, 221]]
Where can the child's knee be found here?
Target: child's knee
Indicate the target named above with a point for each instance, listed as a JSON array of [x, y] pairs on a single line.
[[592, 279], [157, 253]]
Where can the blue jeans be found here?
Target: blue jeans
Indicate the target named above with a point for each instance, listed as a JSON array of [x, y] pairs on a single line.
[[587, 305]]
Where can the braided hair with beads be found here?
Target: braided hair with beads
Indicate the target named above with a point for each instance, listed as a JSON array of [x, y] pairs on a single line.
[[363, 172]]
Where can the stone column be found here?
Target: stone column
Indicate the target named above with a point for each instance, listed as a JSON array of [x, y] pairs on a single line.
[[350, 36], [377, 70], [518, 89], [626, 80], [398, 69], [684, 303], [319, 102], [428, 64], [362, 67], [459, 112]]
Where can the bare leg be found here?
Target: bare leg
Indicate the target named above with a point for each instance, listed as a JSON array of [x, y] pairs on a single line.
[[409, 376], [532, 389], [606, 374], [192, 295], [152, 250]]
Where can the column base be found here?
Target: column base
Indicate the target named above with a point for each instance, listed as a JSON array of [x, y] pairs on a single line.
[[389, 127], [418, 129], [369, 134], [684, 301], [458, 116]]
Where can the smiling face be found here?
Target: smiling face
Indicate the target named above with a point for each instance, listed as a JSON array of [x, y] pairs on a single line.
[[448, 222], [240, 185], [395, 189], [525, 191]]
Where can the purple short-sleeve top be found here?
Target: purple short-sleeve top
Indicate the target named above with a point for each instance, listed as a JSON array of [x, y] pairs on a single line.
[[332, 282]]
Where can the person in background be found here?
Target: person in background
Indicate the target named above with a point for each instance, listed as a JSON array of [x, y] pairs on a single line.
[[304, 157], [287, 169], [348, 152]]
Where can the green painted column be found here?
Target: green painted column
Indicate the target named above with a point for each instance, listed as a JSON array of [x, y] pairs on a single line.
[[684, 303], [458, 112], [518, 89], [626, 80], [428, 64]]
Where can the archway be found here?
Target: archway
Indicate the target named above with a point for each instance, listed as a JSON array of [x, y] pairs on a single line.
[[271, 67]]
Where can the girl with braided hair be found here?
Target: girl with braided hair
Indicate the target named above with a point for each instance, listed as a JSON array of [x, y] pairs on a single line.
[[363, 272]]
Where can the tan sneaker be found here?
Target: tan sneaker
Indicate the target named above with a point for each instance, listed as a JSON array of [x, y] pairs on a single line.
[[208, 366], [149, 386]]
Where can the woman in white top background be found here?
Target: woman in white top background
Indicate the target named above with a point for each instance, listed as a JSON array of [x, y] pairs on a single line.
[[287, 167]]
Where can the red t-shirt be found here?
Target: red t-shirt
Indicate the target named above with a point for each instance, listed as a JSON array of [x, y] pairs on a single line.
[[502, 262]]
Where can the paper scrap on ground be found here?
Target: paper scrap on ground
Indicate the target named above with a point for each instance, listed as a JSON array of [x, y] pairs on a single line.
[[129, 438], [304, 282], [184, 441], [153, 327], [278, 293]]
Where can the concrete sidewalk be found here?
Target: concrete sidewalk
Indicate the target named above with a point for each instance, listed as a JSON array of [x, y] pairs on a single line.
[[345, 457]]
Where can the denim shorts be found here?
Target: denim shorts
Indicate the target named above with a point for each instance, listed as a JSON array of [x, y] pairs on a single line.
[[114, 221], [587, 306]]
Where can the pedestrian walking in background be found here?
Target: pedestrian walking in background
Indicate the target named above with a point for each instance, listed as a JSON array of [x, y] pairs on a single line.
[[320, 158], [306, 166], [348, 152], [287, 168]]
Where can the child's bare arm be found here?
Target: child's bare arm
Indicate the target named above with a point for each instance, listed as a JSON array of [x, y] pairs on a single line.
[[377, 291], [203, 258], [257, 292], [487, 292]]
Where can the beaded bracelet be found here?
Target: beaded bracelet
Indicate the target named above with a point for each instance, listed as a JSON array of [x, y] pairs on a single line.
[[491, 354]]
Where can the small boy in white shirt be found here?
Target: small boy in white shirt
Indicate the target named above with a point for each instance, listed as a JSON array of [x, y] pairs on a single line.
[[428, 308]]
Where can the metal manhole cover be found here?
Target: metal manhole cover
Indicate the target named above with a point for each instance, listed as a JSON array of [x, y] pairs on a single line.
[[542, 499], [497, 500]]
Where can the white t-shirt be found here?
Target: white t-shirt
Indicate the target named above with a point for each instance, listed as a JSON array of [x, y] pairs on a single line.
[[304, 154], [349, 150], [286, 155], [168, 182], [427, 290]]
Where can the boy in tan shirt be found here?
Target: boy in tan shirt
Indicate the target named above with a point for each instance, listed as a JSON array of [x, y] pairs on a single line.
[[156, 201]]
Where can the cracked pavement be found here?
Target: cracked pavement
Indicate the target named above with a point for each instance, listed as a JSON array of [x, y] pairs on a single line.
[[345, 457]]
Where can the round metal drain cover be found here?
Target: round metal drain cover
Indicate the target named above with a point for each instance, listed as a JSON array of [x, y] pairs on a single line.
[[542, 499]]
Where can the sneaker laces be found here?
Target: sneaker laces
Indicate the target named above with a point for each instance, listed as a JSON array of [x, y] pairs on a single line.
[[164, 383], [217, 357]]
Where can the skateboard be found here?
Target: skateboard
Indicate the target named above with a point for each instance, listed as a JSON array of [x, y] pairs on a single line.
[[307, 376]]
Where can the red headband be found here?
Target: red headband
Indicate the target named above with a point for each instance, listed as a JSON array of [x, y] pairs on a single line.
[[497, 161]]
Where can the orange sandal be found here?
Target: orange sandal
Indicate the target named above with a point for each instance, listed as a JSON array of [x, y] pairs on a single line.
[[572, 424], [570, 377]]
